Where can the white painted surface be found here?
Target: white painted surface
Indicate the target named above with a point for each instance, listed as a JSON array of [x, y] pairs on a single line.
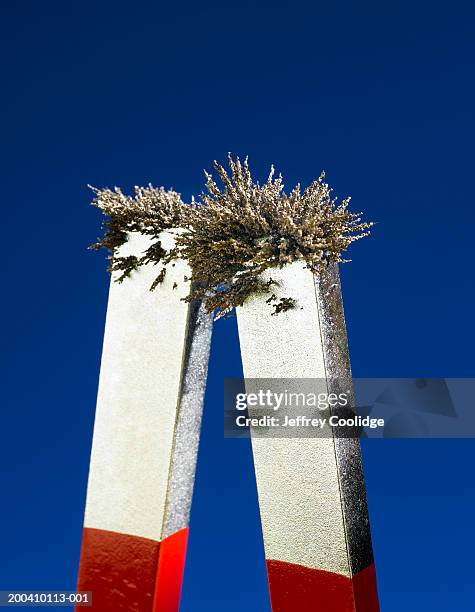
[[138, 395], [297, 479]]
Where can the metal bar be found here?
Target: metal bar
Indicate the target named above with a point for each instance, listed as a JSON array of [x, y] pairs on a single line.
[[311, 489], [347, 450], [149, 407]]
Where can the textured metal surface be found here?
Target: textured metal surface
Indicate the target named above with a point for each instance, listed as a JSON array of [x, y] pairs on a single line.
[[311, 490], [145, 443], [119, 569], [348, 451], [139, 391], [295, 588], [150, 402], [188, 424], [297, 480]]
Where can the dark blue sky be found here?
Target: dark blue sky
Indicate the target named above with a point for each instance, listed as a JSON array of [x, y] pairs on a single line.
[[379, 95]]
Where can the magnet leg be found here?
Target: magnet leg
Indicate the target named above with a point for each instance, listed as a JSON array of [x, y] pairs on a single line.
[[146, 431], [311, 490]]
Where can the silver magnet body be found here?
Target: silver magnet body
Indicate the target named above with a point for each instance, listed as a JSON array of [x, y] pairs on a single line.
[[311, 490]]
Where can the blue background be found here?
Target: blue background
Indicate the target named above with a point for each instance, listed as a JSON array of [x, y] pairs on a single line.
[[381, 96]]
